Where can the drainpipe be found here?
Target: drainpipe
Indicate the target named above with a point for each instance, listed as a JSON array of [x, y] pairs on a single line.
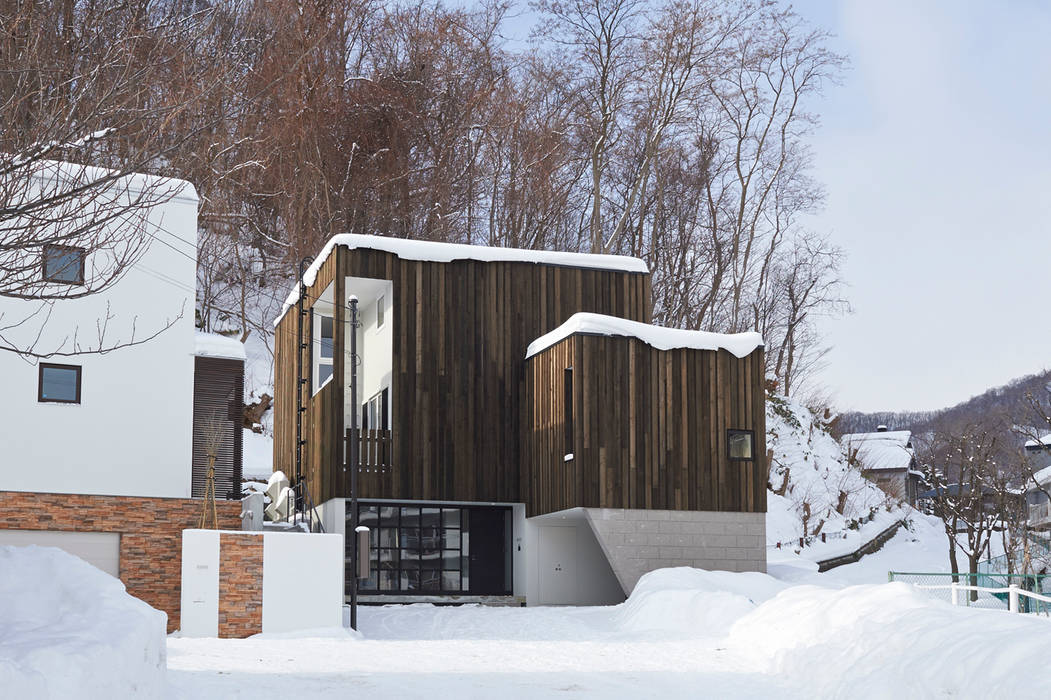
[[352, 458]]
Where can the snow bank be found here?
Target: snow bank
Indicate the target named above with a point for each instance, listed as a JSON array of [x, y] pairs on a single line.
[[890, 640], [68, 630], [692, 602], [432, 251], [215, 345], [739, 344]]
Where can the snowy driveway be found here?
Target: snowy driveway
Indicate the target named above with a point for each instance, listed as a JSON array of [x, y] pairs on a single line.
[[467, 653]]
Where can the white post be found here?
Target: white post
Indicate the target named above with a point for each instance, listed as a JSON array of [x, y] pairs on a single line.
[[955, 593], [1012, 597]]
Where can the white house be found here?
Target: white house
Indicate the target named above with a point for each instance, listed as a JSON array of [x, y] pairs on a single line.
[[101, 453], [116, 423], [888, 458]]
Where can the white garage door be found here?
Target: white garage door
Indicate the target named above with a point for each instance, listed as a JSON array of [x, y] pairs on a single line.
[[102, 549]]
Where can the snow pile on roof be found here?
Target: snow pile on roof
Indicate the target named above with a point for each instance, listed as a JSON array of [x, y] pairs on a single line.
[[692, 602], [432, 251], [215, 345], [814, 481], [739, 344], [880, 450], [68, 630], [890, 640], [1042, 477], [1042, 442]]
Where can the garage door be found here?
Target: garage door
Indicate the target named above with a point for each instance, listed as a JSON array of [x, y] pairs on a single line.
[[102, 549]]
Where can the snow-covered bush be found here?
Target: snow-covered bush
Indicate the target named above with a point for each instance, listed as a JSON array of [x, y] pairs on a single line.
[[69, 630]]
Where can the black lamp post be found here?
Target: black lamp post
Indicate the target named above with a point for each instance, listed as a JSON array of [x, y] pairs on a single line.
[[352, 458]]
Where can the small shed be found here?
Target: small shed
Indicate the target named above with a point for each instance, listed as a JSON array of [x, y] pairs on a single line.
[[218, 414], [630, 415]]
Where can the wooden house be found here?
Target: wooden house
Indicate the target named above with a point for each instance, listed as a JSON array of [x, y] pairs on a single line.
[[519, 416]]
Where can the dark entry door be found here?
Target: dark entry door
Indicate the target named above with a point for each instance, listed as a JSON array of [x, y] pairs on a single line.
[[488, 551]]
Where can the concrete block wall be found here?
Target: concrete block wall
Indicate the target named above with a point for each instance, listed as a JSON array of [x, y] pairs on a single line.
[[639, 541]]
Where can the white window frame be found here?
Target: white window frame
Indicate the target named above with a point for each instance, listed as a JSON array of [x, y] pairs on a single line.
[[317, 360], [381, 315]]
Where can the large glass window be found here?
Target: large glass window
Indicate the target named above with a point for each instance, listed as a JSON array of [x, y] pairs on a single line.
[[59, 383], [416, 549], [63, 264]]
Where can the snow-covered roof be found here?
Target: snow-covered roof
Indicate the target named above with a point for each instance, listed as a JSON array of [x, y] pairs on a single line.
[[161, 188], [432, 251], [1042, 442], [1043, 477], [214, 345], [739, 344], [887, 449]]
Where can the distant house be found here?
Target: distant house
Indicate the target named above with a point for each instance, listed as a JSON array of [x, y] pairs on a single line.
[[1038, 452], [100, 454], [526, 431], [887, 457]]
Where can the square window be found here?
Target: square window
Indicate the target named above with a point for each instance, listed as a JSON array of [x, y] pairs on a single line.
[[63, 264], [739, 444], [59, 383]]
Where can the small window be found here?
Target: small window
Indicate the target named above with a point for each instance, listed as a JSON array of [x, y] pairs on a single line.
[[567, 411], [740, 444], [374, 413], [380, 315], [324, 349], [59, 384], [63, 264]]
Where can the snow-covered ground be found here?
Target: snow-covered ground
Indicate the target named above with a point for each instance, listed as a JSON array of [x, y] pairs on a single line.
[[683, 633], [68, 630]]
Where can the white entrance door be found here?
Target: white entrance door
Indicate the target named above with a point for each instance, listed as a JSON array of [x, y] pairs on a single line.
[[100, 549], [557, 565]]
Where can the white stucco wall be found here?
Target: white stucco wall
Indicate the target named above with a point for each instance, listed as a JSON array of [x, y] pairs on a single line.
[[375, 344], [199, 597], [302, 581], [131, 433]]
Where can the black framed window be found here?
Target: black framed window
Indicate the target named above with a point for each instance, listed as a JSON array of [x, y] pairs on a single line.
[[63, 264], [740, 444], [375, 413], [58, 383], [416, 549]]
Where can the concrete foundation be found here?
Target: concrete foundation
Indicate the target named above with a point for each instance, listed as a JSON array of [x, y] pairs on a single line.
[[639, 541]]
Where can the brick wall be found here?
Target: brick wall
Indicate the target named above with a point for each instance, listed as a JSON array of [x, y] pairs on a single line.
[[240, 584], [150, 534]]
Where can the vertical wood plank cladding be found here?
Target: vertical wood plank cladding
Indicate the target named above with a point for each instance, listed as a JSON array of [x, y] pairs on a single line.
[[651, 427], [459, 410]]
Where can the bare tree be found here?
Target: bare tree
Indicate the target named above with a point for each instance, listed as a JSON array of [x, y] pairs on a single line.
[[90, 95], [960, 463]]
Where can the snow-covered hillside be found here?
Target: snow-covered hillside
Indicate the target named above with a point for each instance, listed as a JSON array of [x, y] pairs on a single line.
[[815, 491]]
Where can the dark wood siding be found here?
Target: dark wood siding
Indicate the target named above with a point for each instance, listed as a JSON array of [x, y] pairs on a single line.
[[218, 419], [650, 427], [461, 330]]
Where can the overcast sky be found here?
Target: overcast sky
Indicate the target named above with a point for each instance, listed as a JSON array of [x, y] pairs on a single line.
[[935, 152], [936, 155]]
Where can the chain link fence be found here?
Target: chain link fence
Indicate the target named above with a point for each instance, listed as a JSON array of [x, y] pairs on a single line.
[[939, 586]]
